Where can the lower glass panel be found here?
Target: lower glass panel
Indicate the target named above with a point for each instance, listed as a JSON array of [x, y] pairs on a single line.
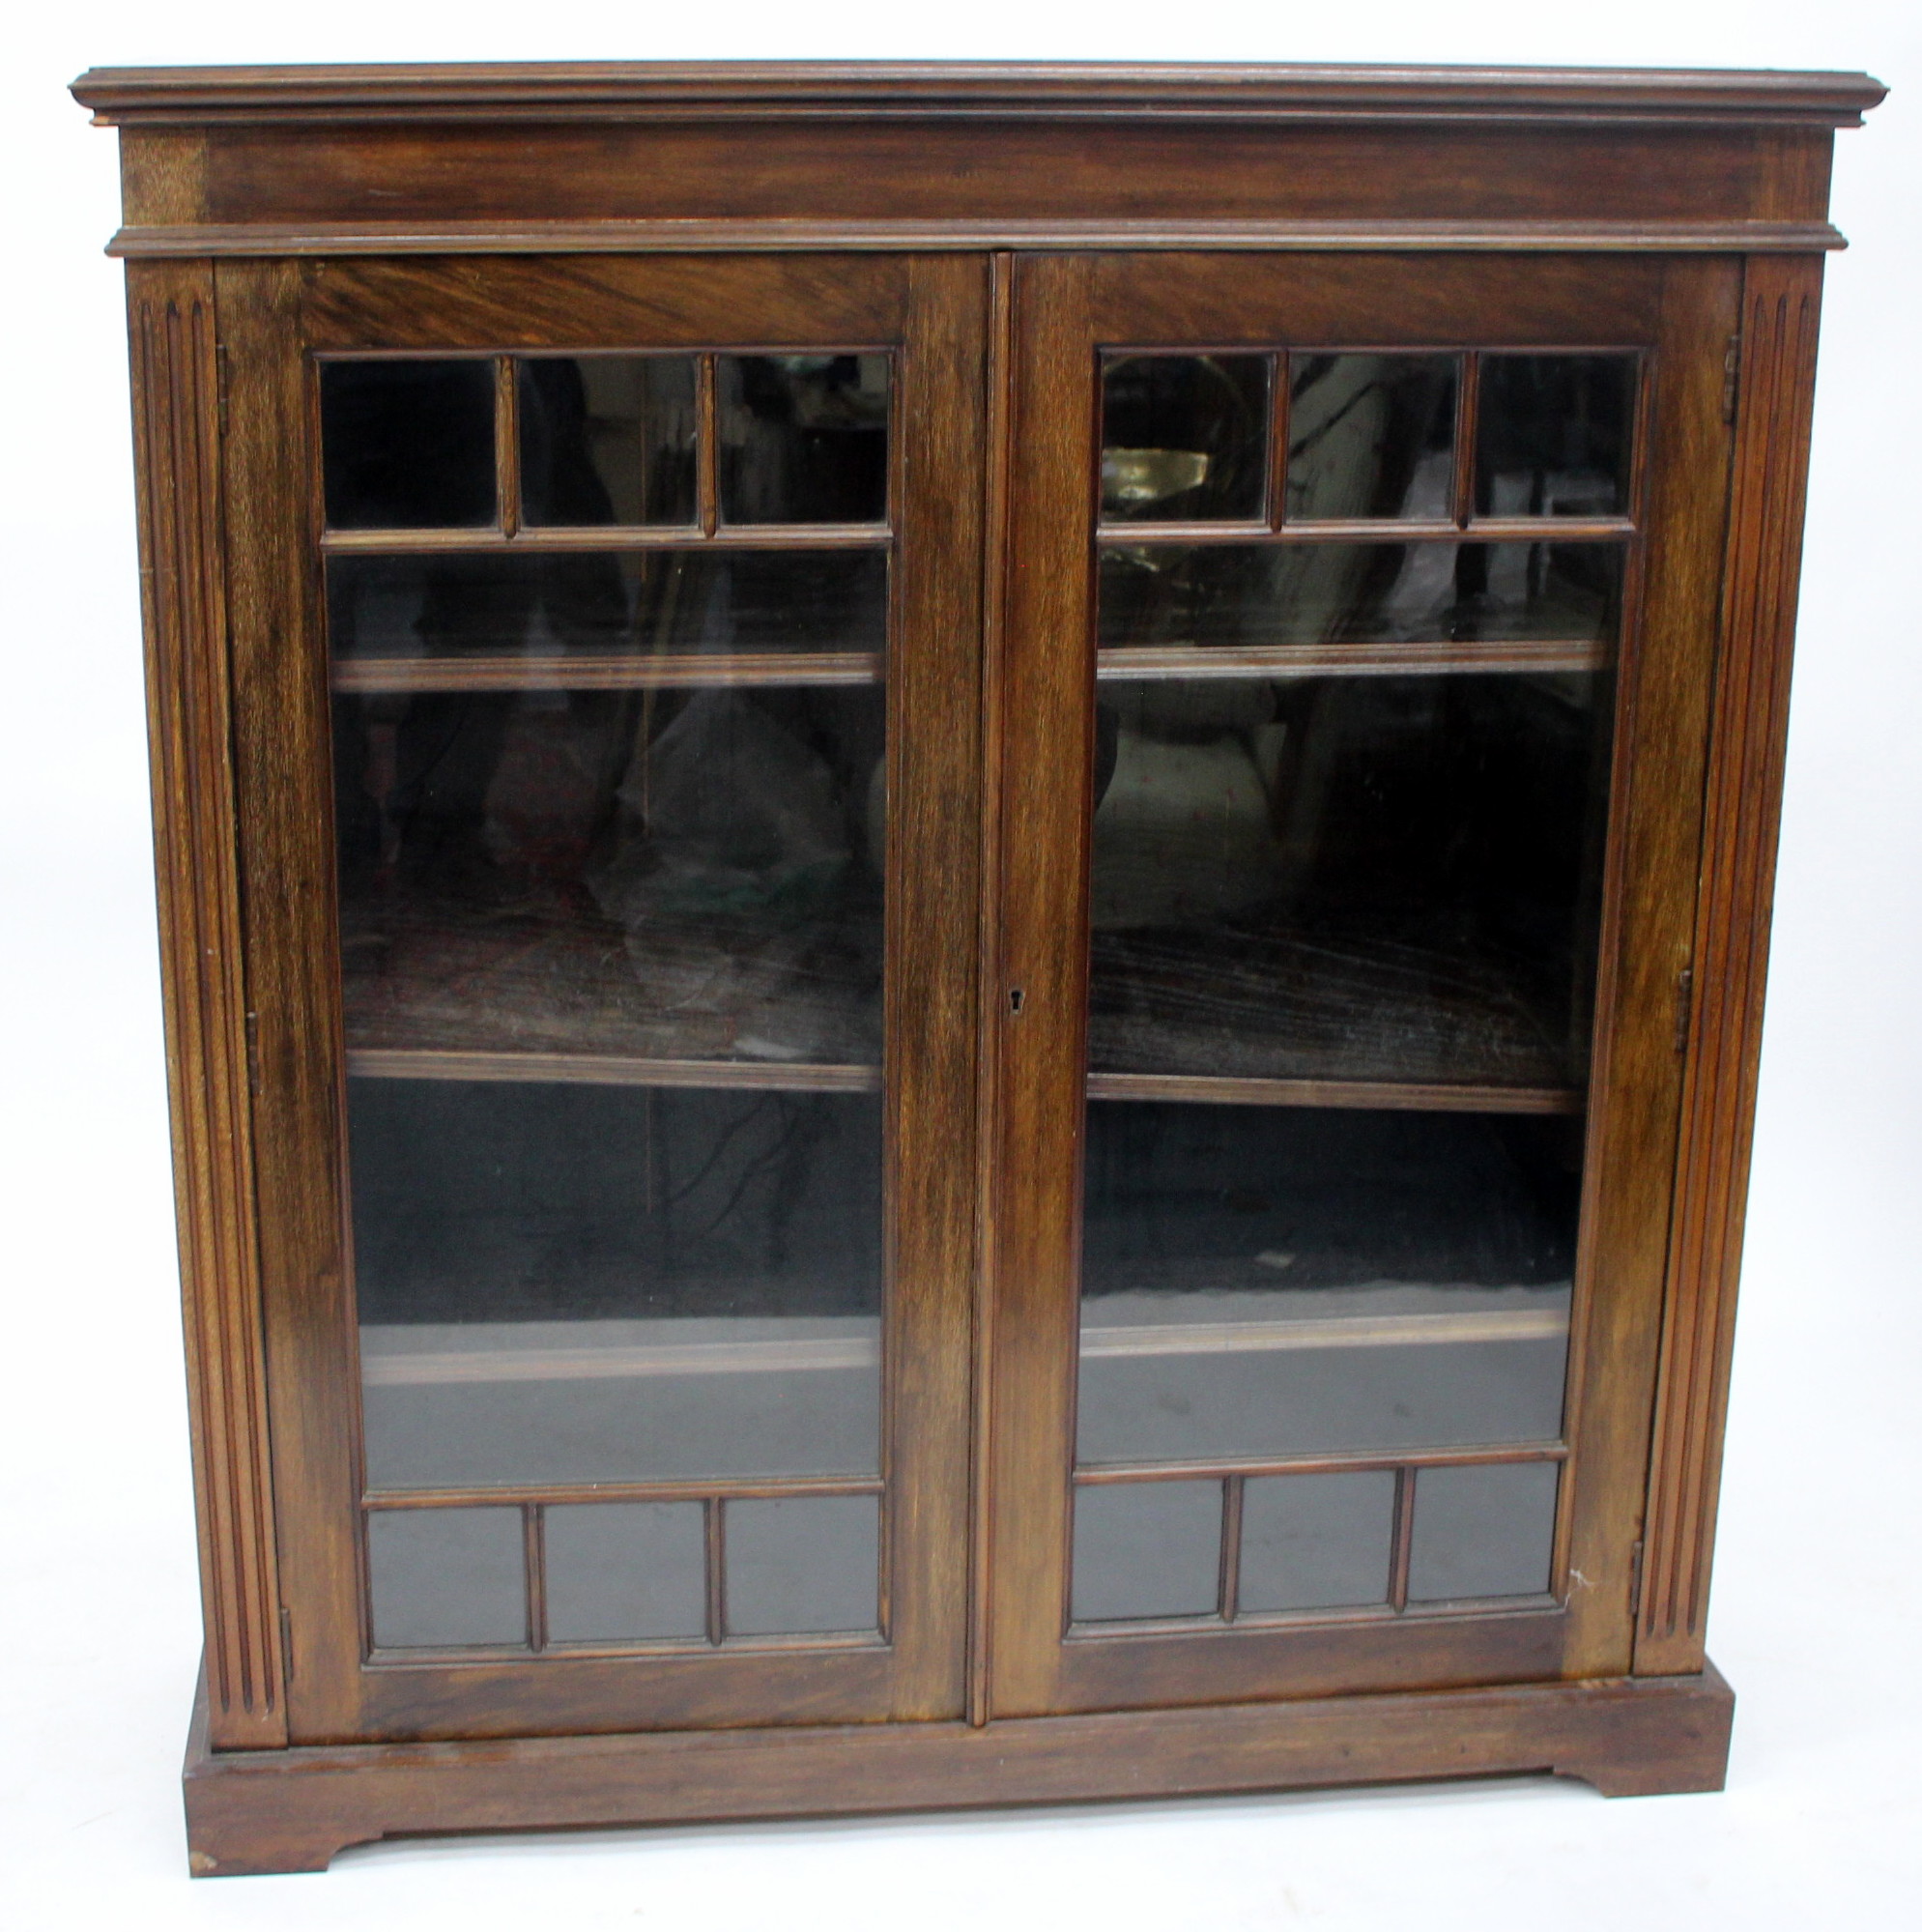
[[1315, 1542], [1482, 1531], [1260, 1281], [800, 1564], [625, 1572], [442, 1577], [1146, 1549], [566, 1284]]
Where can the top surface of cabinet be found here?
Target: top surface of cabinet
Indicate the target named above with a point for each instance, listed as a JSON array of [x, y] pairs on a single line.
[[509, 157]]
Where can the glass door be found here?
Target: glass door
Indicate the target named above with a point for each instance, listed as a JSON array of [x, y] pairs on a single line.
[[1314, 1093], [649, 1037]]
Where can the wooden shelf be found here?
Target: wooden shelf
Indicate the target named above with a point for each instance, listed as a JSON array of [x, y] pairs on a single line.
[[550, 990], [1137, 663], [611, 671], [1323, 1015], [611, 1070]]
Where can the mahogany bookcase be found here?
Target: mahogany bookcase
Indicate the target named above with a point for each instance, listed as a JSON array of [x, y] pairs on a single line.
[[964, 878]]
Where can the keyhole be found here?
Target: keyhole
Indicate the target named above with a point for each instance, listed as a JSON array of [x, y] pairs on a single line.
[[1016, 996]]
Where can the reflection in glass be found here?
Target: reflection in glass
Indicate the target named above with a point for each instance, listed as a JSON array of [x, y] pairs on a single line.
[[1146, 1549], [1227, 596], [574, 1283], [804, 439], [1271, 1281], [607, 439], [802, 1563], [407, 444], [1314, 1543], [1371, 436], [1554, 435], [686, 875], [1183, 438], [1387, 879], [651, 603], [625, 1572], [442, 1577], [1482, 1531]]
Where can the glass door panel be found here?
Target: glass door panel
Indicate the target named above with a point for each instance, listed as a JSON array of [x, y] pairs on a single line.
[[1332, 1190], [1349, 803], [609, 635]]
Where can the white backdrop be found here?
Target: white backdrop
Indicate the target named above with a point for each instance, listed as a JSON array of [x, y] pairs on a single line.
[[1818, 1579]]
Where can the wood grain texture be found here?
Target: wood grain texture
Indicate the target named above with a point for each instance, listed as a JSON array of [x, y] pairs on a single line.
[[291, 1810], [1676, 318], [997, 177], [683, 234], [1047, 775], [919, 90], [176, 381], [1653, 852], [283, 780], [1780, 301], [932, 314]]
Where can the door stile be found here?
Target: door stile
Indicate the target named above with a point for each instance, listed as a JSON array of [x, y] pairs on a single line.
[[1647, 945], [1046, 772]]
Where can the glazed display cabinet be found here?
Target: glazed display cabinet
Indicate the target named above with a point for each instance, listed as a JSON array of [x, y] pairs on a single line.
[[964, 879]]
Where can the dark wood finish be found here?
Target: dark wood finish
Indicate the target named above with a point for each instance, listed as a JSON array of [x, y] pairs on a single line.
[[1123, 663], [611, 1070], [1655, 839], [1404, 1096], [1780, 302], [291, 1810], [642, 537], [1676, 315], [935, 311], [947, 89], [625, 673], [993, 228], [184, 610], [678, 235]]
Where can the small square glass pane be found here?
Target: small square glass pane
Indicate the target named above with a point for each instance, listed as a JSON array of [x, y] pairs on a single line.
[[1311, 1543], [802, 1563], [623, 1572], [804, 439], [1183, 438], [441, 1578], [1371, 436], [406, 445], [1482, 1531], [1146, 1549], [606, 440], [1554, 436]]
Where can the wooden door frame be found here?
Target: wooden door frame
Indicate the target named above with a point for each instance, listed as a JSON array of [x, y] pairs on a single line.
[[273, 317], [1683, 312]]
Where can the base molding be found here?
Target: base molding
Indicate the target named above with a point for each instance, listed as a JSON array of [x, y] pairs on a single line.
[[291, 1810]]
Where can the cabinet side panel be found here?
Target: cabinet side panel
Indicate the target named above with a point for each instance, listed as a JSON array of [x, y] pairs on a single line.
[[284, 787], [1781, 298], [177, 455]]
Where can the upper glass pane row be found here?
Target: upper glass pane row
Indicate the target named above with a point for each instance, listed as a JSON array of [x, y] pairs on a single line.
[[603, 441], [1190, 439]]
